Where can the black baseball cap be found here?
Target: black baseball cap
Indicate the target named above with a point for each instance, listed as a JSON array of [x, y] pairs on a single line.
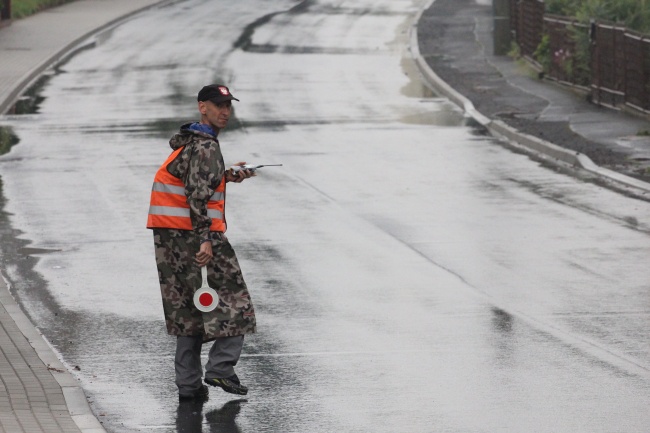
[[215, 93]]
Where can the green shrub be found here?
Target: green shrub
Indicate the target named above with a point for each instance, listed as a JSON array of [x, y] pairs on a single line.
[[23, 8], [543, 53], [634, 14], [581, 62], [567, 8], [515, 51]]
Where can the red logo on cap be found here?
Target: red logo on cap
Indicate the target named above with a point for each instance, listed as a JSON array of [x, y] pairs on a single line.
[[223, 90]]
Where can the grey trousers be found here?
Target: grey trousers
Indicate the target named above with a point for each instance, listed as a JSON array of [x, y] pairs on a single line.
[[222, 358]]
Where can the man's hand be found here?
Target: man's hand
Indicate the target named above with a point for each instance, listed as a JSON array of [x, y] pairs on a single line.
[[204, 255], [240, 175]]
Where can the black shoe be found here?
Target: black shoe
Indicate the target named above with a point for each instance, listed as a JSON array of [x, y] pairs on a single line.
[[229, 384], [200, 394]]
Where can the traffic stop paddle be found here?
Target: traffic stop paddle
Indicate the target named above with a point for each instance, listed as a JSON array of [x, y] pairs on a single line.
[[206, 298]]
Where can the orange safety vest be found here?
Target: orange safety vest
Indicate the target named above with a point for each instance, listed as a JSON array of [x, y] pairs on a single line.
[[169, 209]]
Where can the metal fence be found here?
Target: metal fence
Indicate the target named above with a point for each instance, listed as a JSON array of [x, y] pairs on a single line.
[[608, 65], [636, 78], [527, 23], [614, 63], [562, 48]]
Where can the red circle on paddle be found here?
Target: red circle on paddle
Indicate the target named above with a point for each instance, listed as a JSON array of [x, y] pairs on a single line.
[[206, 299]]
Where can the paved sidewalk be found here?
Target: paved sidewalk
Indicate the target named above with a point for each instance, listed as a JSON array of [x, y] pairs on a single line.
[[37, 393], [32, 392], [453, 47]]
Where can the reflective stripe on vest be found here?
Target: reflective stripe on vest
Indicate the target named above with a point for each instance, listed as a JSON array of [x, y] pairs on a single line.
[[180, 190], [169, 209], [178, 212]]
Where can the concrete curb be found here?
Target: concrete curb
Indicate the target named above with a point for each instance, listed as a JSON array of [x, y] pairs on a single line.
[[505, 132], [75, 398], [73, 393]]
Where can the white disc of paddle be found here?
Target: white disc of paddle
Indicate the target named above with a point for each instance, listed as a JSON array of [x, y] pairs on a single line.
[[206, 298]]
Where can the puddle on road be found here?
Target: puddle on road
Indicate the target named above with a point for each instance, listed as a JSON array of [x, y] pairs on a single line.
[[165, 128], [437, 118], [17, 261], [444, 113], [189, 416], [31, 100], [416, 87], [28, 251]]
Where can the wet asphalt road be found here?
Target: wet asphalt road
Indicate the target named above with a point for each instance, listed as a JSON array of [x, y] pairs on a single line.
[[409, 273]]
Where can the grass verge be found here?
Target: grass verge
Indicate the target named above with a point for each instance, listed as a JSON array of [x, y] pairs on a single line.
[[24, 8]]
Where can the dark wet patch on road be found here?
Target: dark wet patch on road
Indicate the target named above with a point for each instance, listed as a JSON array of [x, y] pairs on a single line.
[[558, 197], [28, 251], [295, 49], [279, 125], [438, 118], [313, 7], [450, 118], [32, 98], [245, 40], [17, 260], [162, 128], [30, 101], [189, 417], [7, 139]]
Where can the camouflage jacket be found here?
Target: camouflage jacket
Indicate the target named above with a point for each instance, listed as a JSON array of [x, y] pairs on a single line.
[[200, 165]]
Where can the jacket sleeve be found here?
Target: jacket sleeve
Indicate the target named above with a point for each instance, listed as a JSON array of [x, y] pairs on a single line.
[[206, 168]]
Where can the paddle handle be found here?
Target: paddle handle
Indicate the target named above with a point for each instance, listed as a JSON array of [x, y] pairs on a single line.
[[204, 276]]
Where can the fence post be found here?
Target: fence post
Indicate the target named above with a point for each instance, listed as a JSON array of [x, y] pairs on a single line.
[[5, 11], [513, 13], [595, 62], [502, 38], [529, 16]]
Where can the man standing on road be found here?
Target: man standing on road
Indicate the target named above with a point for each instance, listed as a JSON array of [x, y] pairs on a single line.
[[187, 217]]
